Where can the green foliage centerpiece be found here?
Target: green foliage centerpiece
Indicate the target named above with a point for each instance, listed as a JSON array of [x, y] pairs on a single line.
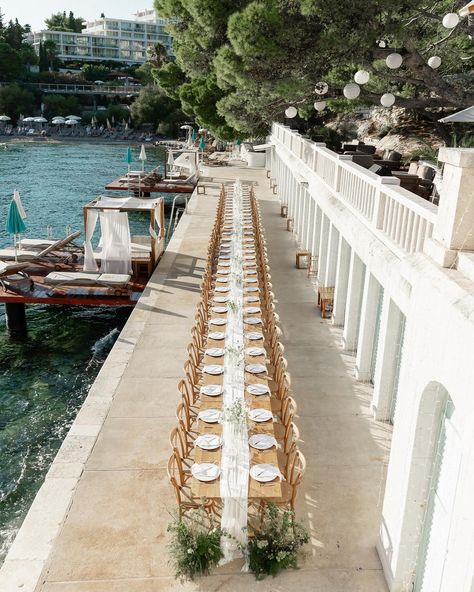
[[195, 547], [275, 543]]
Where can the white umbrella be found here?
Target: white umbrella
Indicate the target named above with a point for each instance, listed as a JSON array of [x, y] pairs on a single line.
[[98, 82], [74, 117], [465, 116], [108, 123], [170, 160], [58, 120], [40, 120], [71, 122], [28, 119], [142, 156], [5, 118], [17, 198]]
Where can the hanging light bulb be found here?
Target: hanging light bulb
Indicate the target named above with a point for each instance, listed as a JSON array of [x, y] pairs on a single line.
[[387, 100], [351, 90], [320, 105], [450, 20], [434, 62], [321, 88], [394, 61], [361, 77], [291, 112]]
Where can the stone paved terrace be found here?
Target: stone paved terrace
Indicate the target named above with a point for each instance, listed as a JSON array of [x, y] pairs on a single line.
[[113, 538]]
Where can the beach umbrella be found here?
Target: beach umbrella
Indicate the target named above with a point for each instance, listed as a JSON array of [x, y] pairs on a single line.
[[126, 126], [28, 119], [15, 223], [58, 119], [124, 123], [170, 160], [41, 120], [74, 117], [71, 122], [98, 82], [193, 135], [142, 156], [113, 119], [108, 123], [202, 143], [5, 118], [21, 209]]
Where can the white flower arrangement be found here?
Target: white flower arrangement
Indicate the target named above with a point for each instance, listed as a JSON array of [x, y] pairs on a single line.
[[237, 413]]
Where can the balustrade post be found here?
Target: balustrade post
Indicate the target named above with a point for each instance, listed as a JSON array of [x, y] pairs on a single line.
[[454, 227], [338, 169], [381, 200]]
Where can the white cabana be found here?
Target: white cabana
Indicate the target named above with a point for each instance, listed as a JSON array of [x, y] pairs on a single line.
[[464, 116], [145, 250]]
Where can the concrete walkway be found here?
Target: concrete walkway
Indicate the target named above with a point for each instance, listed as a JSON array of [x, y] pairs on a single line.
[[114, 536]]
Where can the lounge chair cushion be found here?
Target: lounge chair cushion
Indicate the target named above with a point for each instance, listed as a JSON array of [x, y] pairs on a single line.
[[81, 278]]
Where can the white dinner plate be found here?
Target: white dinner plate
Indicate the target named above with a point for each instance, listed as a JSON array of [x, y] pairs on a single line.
[[252, 309], [264, 472], [250, 272], [224, 256], [259, 415], [224, 264], [252, 335], [221, 289], [250, 289], [214, 369], [217, 335], [222, 299], [223, 271], [212, 441], [248, 280], [259, 441], [258, 389], [250, 299], [205, 471], [249, 257], [219, 309], [217, 352], [222, 280], [212, 390], [253, 351], [248, 240], [218, 321], [252, 321], [254, 368], [211, 415]]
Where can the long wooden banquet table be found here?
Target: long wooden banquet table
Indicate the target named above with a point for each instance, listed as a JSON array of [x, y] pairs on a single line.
[[253, 296]]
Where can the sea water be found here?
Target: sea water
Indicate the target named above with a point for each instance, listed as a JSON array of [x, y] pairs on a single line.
[[45, 377]]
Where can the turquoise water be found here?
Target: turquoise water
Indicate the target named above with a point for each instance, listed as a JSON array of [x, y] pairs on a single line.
[[45, 377]]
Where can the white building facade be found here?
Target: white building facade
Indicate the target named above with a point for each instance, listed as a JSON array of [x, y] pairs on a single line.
[[111, 39], [402, 270]]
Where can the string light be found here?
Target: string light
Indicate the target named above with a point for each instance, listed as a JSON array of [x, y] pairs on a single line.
[[387, 99], [434, 62], [320, 105], [321, 88], [450, 20], [351, 91], [291, 112], [394, 61], [361, 77]]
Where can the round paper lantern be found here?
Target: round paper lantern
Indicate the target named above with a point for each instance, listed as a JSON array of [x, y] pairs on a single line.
[[434, 62], [320, 105], [387, 100], [382, 43], [321, 88], [361, 77], [394, 61], [450, 20], [291, 112], [351, 91]]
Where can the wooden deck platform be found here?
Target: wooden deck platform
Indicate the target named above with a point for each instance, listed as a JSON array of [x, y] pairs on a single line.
[[145, 188], [35, 291]]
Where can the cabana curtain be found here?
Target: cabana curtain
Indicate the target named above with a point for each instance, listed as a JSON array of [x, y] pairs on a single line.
[[89, 259], [116, 252]]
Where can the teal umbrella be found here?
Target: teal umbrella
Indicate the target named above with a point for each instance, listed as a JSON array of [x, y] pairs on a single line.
[[238, 142], [202, 143], [129, 156], [15, 223], [193, 135]]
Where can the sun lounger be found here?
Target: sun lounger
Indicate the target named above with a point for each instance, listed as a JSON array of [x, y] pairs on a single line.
[[12, 271], [44, 243], [82, 278], [53, 253]]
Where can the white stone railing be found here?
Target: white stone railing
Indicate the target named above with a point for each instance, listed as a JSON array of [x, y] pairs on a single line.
[[402, 217]]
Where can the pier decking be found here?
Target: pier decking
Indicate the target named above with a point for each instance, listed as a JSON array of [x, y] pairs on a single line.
[[99, 522]]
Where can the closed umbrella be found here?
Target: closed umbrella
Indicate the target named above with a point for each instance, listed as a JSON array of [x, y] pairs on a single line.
[[170, 160], [15, 223], [128, 160], [193, 135], [21, 209], [142, 156], [108, 123], [202, 143]]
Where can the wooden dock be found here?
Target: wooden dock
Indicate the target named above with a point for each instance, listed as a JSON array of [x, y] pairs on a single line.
[[33, 290]]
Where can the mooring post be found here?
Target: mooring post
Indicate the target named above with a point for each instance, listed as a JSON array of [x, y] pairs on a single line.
[[15, 318]]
